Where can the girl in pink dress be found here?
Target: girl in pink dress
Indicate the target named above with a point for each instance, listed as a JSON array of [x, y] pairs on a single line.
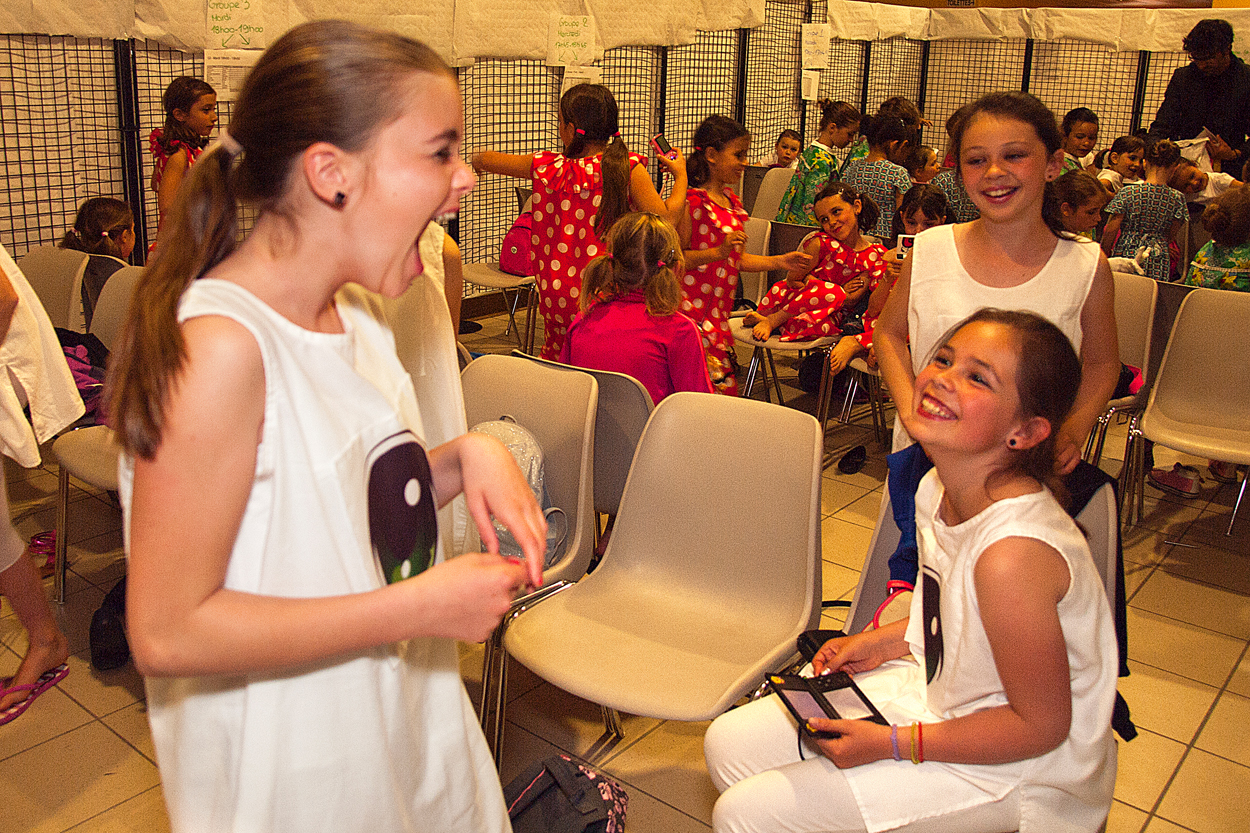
[[578, 195], [629, 321], [712, 235], [812, 304]]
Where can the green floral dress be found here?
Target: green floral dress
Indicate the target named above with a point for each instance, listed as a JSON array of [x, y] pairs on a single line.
[[816, 165], [1221, 267]]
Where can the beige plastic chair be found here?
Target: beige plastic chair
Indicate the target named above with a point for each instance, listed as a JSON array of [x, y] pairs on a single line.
[[1099, 519], [623, 410], [491, 276], [762, 359], [1200, 402], [772, 189], [1135, 300], [56, 276], [755, 284], [686, 612], [558, 407], [870, 379], [91, 454]]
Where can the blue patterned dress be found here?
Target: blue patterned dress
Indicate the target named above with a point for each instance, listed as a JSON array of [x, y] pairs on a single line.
[[1149, 211]]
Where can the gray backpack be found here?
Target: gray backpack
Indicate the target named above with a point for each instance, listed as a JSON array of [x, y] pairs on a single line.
[[529, 457]]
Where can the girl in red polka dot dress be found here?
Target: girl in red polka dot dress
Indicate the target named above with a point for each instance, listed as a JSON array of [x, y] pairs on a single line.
[[712, 235], [578, 195], [813, 304]]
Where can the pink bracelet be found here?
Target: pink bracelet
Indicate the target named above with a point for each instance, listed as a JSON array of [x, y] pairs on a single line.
[[894, 741]]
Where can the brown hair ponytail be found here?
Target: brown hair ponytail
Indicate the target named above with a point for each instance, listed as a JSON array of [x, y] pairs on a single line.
[[325, 81]]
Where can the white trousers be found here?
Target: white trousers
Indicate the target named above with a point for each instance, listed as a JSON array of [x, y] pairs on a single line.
[[767, 785]]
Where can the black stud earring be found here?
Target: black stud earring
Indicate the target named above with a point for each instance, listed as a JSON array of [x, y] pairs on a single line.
[[339, 199], [1011, 443]]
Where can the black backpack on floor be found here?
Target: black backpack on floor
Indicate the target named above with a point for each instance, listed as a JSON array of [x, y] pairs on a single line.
[[559, 795]]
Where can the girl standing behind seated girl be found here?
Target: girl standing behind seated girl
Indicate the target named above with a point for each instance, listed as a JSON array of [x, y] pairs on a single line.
[[881, 174], [811, 303], [105, 230], [578, 195], [999, 685], [1148, 215], [712, 236], [629, 321], [839, 122], [1121, 164], [190, 115]]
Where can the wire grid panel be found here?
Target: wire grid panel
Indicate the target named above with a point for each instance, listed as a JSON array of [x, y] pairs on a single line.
[[59, 137], [773, 65], [702, 81], [960, 71], [1069, 73], [512, 107], [1162, 65], [842, 81], [894, 69], [632, 73]]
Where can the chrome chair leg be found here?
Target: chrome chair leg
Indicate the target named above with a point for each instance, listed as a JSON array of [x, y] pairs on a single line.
[[61, 548], [612, 722], [1240, 494]]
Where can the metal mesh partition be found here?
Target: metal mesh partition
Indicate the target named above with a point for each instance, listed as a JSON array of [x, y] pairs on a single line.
[[633, 76], [60, 134], [773, 58], [842, 81], [1162, 65], [702, 80], [1067, 74], [962, 70], [512, 107], [59, 137]]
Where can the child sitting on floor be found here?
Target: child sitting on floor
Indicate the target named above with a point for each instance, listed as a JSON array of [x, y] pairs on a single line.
[[629, 321]]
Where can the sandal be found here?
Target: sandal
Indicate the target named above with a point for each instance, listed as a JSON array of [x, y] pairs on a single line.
[[46, 680], [44, 545]]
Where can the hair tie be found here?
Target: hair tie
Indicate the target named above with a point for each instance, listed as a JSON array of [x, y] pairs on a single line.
[[104, 234], [228, 143], [660, 264], [616, 135], [580, 132], [698, 148]]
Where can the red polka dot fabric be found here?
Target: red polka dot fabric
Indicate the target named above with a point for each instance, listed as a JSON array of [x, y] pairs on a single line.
[[708, 290], [567, 193]]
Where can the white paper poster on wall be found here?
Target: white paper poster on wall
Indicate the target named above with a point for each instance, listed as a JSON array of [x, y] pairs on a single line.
[[571, 40], [816, 38], [225, 70], [235, 24], [809, 85]]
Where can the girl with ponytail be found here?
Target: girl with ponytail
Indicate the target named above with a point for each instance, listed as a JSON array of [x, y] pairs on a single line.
[[578, 195], [1148, 215], [713, 235], [287, 590], [629, 321]]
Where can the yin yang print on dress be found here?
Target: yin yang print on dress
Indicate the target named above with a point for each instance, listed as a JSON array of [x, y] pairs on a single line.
[[403, 524], [931, 591]]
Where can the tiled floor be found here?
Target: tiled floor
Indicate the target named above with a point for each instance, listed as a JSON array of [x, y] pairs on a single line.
[[81, 758]]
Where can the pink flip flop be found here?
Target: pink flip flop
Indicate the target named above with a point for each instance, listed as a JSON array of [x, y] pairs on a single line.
[[48, 679]]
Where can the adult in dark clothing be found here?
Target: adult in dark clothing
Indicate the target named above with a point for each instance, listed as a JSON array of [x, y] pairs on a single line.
[[1212, 91]]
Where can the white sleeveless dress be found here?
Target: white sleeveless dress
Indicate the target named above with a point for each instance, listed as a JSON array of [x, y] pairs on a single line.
[[943, 293], [381, 740], [1066, 790]]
